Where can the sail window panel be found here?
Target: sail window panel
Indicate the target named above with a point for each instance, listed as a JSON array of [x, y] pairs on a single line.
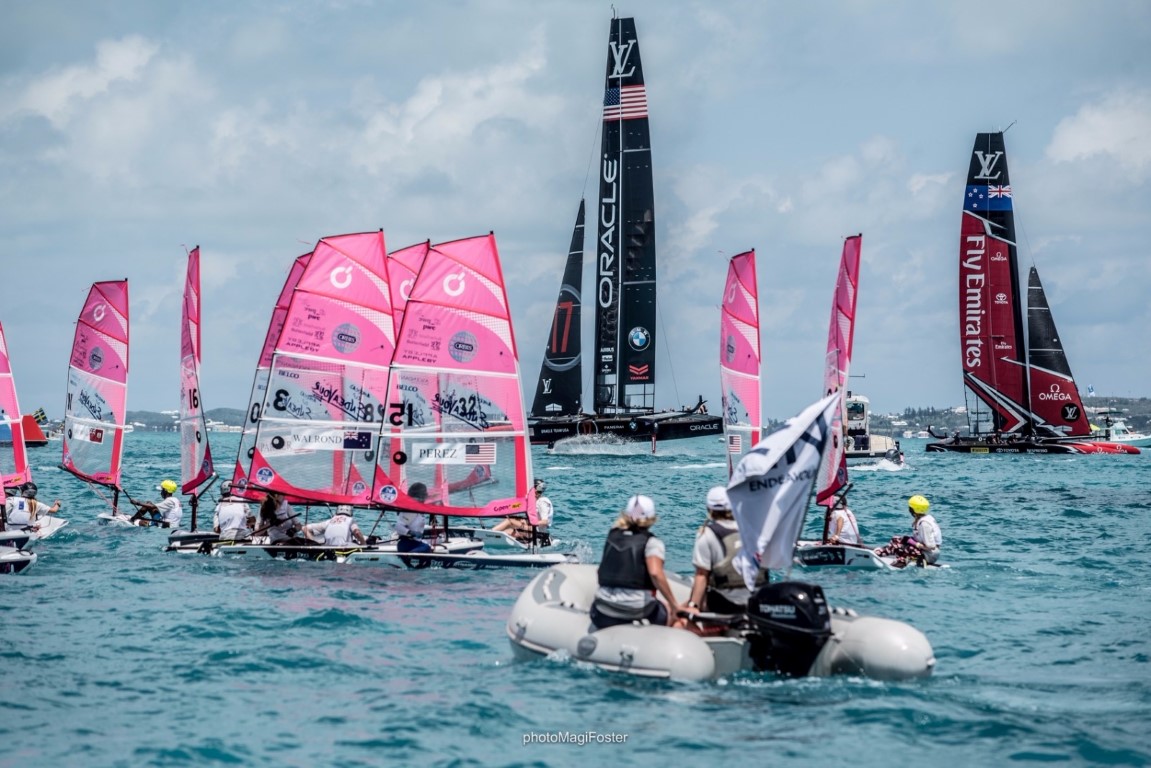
[[320, 426], [89, 448]]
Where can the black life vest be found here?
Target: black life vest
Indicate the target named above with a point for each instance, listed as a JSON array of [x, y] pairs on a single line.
[[623, 563], [724, 574]]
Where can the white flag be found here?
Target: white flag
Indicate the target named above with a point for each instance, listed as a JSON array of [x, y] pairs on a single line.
[[771, 486]]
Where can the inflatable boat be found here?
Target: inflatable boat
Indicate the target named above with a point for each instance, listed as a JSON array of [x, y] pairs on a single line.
[[788, 629]]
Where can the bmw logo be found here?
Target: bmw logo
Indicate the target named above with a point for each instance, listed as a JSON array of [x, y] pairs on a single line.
[[638, 338]]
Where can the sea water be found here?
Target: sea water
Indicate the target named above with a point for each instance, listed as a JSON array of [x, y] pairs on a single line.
[[114, 653]]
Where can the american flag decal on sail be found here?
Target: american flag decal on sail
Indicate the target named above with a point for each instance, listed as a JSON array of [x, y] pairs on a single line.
[[480, 453], [626, 103], [734, 443]]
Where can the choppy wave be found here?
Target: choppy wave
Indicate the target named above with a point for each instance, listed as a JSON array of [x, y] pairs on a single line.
[[129, 656]]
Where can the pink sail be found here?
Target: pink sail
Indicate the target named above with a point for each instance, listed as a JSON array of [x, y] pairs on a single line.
[[14, 469], [260, 382], [456, 413], [739, 357], [319, 423], [840, 338], [98, 386], [403, 266], [195, 453]]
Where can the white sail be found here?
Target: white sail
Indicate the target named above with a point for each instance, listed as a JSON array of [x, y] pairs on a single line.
[[771, 486]]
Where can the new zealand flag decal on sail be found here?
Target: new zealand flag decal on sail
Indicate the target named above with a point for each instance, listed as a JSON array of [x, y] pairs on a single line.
[[980, 198], [357, 441]]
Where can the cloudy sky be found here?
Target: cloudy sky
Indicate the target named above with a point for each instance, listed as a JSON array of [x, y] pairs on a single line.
[[132, 130]]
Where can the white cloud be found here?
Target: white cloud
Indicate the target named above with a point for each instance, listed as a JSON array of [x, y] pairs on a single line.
[[58, 96], [1117, 127]]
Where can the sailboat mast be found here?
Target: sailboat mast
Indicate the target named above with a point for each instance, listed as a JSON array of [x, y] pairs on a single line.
[[625, 250]]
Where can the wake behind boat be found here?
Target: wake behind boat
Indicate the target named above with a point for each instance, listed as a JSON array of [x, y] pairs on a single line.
[[623, 396]]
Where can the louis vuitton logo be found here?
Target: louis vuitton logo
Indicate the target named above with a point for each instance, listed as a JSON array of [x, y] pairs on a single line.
[[620, 54], [987, 161]]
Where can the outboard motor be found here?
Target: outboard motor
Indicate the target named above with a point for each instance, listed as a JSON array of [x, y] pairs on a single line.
[[790, 624]]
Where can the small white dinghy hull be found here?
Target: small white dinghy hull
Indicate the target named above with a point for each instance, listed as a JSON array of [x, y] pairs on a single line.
[[813, 554], [551, 617], [46, 527], [16, 560], [116, 519]]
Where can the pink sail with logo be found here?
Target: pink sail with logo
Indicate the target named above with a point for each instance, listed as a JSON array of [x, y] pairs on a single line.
[[14, 469], [456, 418], [319, 424], [739, 357], [260, 383], [97, 397], [403, 266], [837, 366], [195, 453]]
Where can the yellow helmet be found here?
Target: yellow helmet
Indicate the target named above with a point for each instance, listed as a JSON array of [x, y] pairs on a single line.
[[918, 505], [168, 485]]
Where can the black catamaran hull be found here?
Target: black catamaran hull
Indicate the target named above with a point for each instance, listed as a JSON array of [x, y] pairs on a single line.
[[1012, 448], [672, 426], [1029, 446]]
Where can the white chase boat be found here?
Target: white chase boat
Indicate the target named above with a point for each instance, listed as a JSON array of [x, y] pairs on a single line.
[[788, 627]]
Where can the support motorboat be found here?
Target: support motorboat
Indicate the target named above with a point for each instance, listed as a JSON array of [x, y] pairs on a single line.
[[788, 629]]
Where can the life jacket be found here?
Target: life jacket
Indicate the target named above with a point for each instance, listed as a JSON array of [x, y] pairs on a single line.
[[20, 511], [623, 563], [724, 574]]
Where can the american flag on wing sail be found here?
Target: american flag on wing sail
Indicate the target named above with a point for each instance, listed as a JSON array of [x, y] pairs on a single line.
[[626, 103], [480, 453], [735, 443]]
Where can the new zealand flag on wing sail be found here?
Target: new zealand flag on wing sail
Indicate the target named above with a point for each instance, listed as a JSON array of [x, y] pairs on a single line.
[[979, 198]]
